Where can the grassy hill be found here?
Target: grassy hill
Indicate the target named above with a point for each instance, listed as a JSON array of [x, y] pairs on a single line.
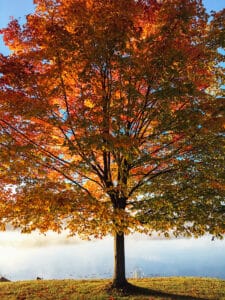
[[182, 288]]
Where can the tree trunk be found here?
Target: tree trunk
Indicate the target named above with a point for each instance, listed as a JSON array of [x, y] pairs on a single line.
[[119, 277]]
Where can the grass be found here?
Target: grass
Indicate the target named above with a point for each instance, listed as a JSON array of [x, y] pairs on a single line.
[[183, 288]]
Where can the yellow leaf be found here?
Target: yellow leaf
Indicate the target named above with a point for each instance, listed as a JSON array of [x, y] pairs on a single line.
[[88, 103]]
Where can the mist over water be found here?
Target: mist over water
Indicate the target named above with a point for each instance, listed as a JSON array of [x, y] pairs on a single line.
[[24, 257]]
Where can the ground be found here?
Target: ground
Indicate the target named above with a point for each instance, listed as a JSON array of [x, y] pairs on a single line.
[[182, 288]]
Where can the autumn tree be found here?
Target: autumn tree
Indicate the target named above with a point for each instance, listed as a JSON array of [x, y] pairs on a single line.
[[111, 120]]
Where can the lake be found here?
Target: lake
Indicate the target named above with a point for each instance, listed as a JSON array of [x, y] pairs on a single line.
[[24, 257]]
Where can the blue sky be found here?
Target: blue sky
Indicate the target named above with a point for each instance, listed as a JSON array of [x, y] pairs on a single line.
[[213, 4], [20, 8]]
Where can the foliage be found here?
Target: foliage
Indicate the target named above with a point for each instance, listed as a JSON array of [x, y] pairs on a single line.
[[111, 118]]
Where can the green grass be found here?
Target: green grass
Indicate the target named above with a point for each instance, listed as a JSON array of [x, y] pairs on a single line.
[[147, 289]]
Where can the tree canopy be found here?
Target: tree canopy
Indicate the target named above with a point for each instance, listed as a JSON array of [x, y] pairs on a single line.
[[112, 120]]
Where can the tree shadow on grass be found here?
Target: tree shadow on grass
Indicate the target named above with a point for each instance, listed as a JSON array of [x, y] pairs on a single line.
[[133, 290]]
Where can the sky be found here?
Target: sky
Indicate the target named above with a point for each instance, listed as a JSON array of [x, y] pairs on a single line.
[[53, 256]]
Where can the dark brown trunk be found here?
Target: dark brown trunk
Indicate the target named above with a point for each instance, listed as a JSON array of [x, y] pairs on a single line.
[[119, 277]]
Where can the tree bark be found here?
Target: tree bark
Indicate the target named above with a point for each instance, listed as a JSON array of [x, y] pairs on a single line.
[[119, 276]]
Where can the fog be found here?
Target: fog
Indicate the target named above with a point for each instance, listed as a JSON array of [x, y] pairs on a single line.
[[55, 256]]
